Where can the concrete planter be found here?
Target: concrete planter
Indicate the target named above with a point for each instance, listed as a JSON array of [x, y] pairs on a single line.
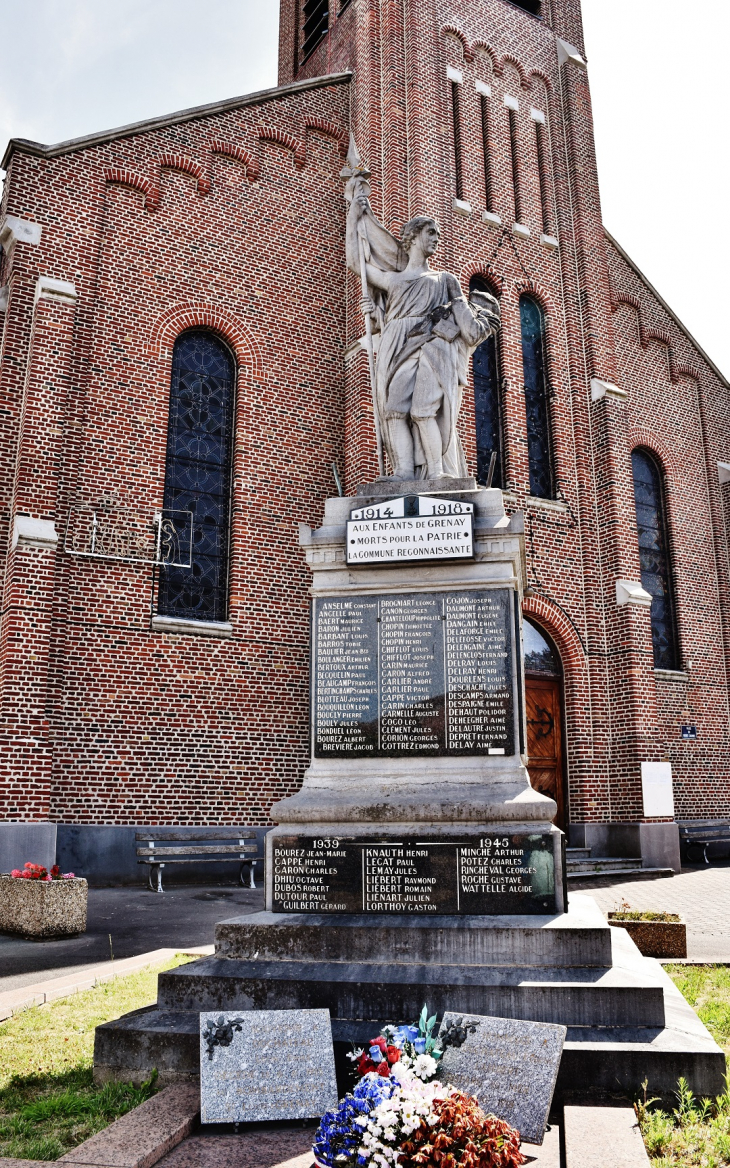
[[655, 938], [43, 908]]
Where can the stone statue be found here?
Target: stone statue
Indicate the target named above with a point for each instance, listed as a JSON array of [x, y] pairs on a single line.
[[428, 332]]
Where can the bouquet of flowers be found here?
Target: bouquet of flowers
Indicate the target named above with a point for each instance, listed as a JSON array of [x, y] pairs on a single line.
[[400, 1120], [38, 872], [413, 1047], [462, 1135]]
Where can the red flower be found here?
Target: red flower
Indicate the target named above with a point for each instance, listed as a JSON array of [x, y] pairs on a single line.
[[393, 1054], [384, 1069], [55, 872], [365, 1064]]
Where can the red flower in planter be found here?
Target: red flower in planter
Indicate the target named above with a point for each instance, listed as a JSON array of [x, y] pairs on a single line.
[[31, 872]]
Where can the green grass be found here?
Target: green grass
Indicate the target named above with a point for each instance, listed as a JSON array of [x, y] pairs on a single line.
[[707, 989], [696, 1133], [49, 1103]]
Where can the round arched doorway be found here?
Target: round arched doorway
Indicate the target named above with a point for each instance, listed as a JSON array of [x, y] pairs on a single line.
[[544, 708]]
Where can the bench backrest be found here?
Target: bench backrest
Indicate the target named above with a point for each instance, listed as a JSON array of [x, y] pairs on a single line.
[[195, 841], [705, 830]]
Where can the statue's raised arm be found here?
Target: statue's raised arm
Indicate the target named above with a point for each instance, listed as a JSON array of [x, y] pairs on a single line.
[[429, 331]]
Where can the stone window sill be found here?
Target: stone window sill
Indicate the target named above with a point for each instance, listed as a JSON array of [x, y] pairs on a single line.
[[178, 626], [671, 675], [546, 504]]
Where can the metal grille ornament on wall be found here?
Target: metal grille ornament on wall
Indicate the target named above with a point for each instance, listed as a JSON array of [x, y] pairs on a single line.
[[129, 535], [198, 474]]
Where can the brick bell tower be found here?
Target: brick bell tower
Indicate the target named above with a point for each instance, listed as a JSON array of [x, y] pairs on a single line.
[[480, 114]]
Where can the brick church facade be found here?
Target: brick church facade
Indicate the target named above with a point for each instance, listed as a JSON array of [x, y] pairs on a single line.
[[179, 334]]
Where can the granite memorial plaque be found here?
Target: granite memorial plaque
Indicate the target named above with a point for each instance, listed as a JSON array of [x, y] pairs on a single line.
[[413, 527], [487, 876], [511, 1067], [413, 674], [265, 1065]]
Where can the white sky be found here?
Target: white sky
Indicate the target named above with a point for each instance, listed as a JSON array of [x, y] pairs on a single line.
[[657, 78]]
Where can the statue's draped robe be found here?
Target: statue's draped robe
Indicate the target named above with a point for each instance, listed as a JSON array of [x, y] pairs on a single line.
[[419, 373]]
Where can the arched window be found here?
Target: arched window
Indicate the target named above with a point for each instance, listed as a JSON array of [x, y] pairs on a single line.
[[656, 576], [539, 450], [541, 656], [198, 474], [487, 402]]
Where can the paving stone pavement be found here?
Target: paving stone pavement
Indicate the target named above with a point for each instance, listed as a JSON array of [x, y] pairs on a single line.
[[701, 896], [138, 921]]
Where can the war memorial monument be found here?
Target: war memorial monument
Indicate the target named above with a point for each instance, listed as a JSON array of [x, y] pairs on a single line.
[[417, 863]]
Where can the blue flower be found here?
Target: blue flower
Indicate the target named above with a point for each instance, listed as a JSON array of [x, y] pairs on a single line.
[[405, 1034], [376, 1054], [420, 1045]]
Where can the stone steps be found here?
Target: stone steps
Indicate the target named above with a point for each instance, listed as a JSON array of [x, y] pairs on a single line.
[[588, 871], [575, 996], [626, 1020], [581, 938], [603, 864], [602, 879]]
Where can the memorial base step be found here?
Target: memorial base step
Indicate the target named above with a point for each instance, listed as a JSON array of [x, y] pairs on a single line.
[[388, 993], [597, 1063], [580, 937]]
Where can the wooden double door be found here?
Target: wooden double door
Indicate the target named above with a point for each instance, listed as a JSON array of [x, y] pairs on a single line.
[[544, 707]]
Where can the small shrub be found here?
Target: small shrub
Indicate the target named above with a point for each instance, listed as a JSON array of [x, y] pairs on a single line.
[[664, 917]]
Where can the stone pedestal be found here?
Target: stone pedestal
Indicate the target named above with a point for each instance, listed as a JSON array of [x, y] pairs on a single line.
[[399, 775], [416, 864]]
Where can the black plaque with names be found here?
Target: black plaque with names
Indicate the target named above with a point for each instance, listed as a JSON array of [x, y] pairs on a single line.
[[399, 675], [490, 875]]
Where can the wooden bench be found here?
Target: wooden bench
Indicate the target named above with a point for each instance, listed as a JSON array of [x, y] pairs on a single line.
[[192, 845], [704, 834]]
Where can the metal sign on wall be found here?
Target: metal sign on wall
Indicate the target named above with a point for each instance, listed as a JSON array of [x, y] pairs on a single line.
[[412, 527]]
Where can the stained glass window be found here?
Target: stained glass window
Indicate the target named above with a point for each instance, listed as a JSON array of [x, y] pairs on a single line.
[[487, 407], [654, 557], [539, 451], [198, 474]]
